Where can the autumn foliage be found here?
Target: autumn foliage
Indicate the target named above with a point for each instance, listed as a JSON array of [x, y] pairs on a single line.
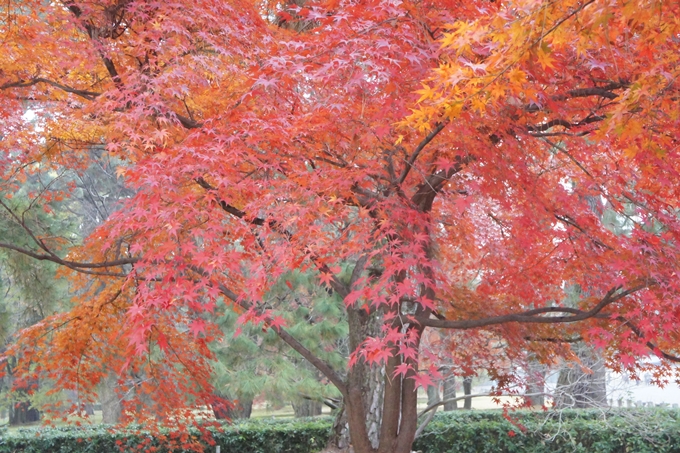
[[466, 163]]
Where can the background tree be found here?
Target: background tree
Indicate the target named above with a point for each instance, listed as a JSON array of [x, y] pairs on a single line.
[[252, 364], [446, 155], [31, 290]]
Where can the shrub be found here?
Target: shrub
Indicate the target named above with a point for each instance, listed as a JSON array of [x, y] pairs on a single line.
[[259, 436], [616, 431], [577, 431]]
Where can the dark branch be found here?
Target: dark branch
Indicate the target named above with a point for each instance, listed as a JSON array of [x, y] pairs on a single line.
[[533, 316], [586, 92], [87, 94], [336, 284], [414, 155], [428, 190], [654, 348], [554, 340], [603, 92], [564, 123], [569, 221], [187, 122], [227, 207], [55, 259]]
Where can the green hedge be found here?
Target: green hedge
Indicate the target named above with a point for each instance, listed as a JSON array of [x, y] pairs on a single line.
[[257, 436], [618, 431]]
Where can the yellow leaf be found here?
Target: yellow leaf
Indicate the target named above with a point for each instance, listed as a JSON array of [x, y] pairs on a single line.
[[426, 93], [517, 76], [544, 58], [453, 110], [478, 104]]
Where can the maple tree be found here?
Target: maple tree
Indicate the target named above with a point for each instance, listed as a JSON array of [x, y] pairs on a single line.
[[459, 159]]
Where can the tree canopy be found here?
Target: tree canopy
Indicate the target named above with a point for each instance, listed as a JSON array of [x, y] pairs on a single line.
[[435, 164]]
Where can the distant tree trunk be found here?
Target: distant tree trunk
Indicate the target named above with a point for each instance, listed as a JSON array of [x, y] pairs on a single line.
[[582, 386], [449, 392], [432, 395], [112, 409], [74, 398], [226, 408], [535, 385], [467, 390], [307, 408], [22, 413], [242, 409]]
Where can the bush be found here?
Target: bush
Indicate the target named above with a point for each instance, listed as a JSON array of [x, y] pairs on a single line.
[[616, 431], [257, 436], [577, 431]]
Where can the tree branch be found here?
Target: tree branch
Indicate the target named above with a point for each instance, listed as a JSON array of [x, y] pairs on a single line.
[[72, 264], [564, 123], [414, 155], [428, 190], [532, 316], [291, 341], [87, 94], [336, 284], [452, 400], [554, 340], [654, 348]]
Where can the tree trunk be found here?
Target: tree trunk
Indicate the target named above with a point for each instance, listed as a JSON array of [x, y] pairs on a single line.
[[22, 413], [433, 395], [467, 390], [535, 386], [582, 386], [223, 410], [306, 408], [112, 409], [340, 433], [363, 409], [449, 392], [380, 406]]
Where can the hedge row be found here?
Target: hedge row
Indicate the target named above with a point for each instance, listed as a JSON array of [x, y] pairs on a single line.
[[621, 431], [578, 431], [256, 436]]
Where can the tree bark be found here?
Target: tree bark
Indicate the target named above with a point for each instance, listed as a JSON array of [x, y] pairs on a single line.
[[467, 390], [364, 406], [306, 408], [535, 386], [340, 432], [449, 392], [112, 409]]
